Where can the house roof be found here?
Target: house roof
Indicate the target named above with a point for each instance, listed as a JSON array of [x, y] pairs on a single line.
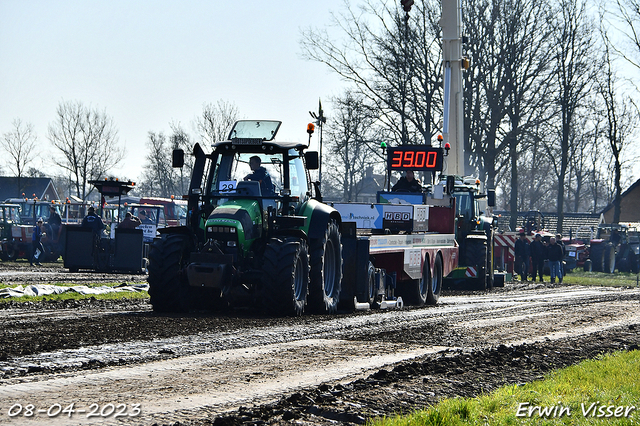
[[570, 225], [624, 194], [9, 187]]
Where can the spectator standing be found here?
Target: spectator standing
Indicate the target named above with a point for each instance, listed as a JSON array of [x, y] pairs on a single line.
[[537, 249], [55, 222], [36, 243], [560, 242], [555, 260], [93, 221], [522, 251]]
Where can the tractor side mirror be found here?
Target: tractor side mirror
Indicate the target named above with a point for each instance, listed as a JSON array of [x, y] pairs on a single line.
[[450, 185], [312, 160], [177, 159], [491, 197]]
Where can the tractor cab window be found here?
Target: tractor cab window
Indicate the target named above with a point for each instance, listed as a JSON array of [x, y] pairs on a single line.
[[464, 204], [298, 178], [263, 168]]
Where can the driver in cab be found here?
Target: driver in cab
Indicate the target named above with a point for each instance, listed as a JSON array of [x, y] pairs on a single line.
[[407, 183], [260, 174]]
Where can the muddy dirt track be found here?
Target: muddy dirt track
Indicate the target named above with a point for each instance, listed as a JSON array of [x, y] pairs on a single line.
[[119, 363]]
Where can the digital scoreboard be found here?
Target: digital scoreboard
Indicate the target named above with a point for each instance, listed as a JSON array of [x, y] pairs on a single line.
[[415, 157]]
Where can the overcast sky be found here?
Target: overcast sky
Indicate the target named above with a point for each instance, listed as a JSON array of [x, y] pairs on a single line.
[[151, 62]]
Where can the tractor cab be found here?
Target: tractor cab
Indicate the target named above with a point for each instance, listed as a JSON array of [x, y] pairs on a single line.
[[249, 186]]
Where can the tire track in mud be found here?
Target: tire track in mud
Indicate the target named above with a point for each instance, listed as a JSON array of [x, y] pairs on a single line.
[[212, 373]]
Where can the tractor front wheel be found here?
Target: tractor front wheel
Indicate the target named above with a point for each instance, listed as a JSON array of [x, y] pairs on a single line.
[[166, 257], [285, 281]]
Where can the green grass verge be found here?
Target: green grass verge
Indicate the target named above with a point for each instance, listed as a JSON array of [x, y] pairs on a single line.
[[578, 395], [619, 279]]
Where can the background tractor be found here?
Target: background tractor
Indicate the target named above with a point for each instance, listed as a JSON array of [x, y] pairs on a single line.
[[615, 246], [475, 234], [263, 242]]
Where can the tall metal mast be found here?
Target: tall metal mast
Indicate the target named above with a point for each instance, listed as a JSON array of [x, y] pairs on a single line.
[[453, 119]]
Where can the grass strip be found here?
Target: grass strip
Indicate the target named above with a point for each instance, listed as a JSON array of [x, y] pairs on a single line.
[[618, 279], [605, 390]]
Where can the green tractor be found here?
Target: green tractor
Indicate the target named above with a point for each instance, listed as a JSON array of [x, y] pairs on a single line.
[[255, 236], [9, 217], [475, 235]]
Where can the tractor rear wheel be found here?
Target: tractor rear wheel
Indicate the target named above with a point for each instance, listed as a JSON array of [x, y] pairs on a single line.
[[166, 258], [285, 281], [9, 252], [596, 254], [326, 271], [476, 255], [609, 259], [634, 262]]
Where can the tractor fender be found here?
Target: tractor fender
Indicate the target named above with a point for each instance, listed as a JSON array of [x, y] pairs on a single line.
[[321, 215], [179, 230]]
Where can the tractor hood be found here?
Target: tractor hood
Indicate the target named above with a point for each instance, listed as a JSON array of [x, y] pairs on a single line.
[[242, 214]]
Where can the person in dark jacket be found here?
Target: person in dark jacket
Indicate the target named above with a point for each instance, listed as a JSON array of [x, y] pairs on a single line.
[[260, 174], [129, 222], [537, 249], [55, 222], [407, 183], [93, 221], [36, 243], [522, 251], [555, 254]]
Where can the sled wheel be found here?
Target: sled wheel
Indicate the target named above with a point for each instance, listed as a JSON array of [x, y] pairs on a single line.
[[435, 288], [414, 292]]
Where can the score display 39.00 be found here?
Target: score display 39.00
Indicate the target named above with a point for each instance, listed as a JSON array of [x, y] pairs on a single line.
[[415, 157]]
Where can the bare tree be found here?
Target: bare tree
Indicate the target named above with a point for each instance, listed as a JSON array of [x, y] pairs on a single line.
[[574, 71], [395, 66], [627, 12], [485, 88], [19, 144], [158, 173], [350, 142], [621, 121], [87, 140], [159, 178], [216, 121]]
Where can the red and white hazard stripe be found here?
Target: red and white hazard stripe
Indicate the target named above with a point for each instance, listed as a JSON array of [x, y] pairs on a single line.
[[471, 272]]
